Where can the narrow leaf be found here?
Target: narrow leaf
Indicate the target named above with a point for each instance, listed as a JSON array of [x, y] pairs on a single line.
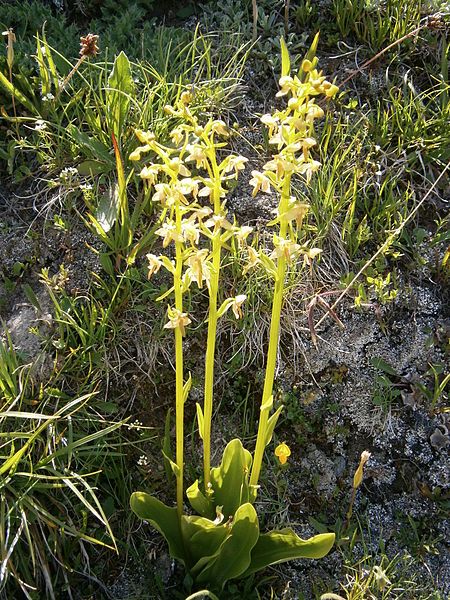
[[285, 58], [200, 420]]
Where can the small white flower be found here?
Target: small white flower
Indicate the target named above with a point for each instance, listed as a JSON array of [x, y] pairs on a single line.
[[143, 461], [48, 97], [40, 125]]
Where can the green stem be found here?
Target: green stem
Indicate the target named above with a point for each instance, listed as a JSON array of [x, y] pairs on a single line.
[[209, 360], [212, 334], [272, 351], [179, 380]]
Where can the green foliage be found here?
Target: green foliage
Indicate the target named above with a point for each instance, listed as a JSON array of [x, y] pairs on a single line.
[[231, 546], [377, 23]]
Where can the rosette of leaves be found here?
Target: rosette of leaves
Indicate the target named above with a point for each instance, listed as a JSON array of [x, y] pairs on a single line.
[[224, 541]]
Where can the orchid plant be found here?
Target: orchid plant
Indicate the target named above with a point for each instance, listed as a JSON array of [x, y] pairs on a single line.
[[189, 179]]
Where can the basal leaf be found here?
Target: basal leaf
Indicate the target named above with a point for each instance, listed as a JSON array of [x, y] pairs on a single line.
[[163, 518], [233, 556], [230, 479], [280, 546], [199, 501]]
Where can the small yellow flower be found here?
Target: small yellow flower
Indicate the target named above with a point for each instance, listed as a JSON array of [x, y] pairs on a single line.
[[253, 259], [260, 182], [149, 173], [154, 264], [284, 249], [282, 452], [177, 320], [220, 128], [359, 473], [199, 267], [197, 155], [168, 231], [237, 304]]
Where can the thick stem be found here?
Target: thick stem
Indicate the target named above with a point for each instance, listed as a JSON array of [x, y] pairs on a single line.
[[212, 333], [209, 361], [272, 351], [179, 380]]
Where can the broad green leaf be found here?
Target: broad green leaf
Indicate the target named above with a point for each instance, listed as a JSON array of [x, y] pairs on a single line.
[[280, 546], [108, 208], [200, 419], [91, 147], [271, 424], [199, 501], [201, 537], [204, 545], [163, 518], [50, 61], [230, 479], [118, 94], [285, 59], [233, 556], [107, 263], [93, 167]]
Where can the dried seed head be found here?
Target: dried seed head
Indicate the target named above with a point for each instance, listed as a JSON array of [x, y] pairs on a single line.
[[89, 45]]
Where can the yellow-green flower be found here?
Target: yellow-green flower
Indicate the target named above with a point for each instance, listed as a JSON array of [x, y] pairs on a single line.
[[359, 473], [177, 320], [282, 452]]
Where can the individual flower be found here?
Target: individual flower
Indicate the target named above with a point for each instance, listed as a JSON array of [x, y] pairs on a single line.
[[219, 222], [149, 173], [309, 254], [259, 182], [296, 212], [190, 232], [241, 234], [143, 461], [280, 165], [236, 306], [236, 163], [40, 125], [154, 264], [136, 154], [197, 155], [252, 259], [199, 267], [359, 473], [284, 249], [188, 186], [287, 85], [175, 168], [168, 231], [177, 320], [220, 128], [271, 122], [282, 452], [145, 137]]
